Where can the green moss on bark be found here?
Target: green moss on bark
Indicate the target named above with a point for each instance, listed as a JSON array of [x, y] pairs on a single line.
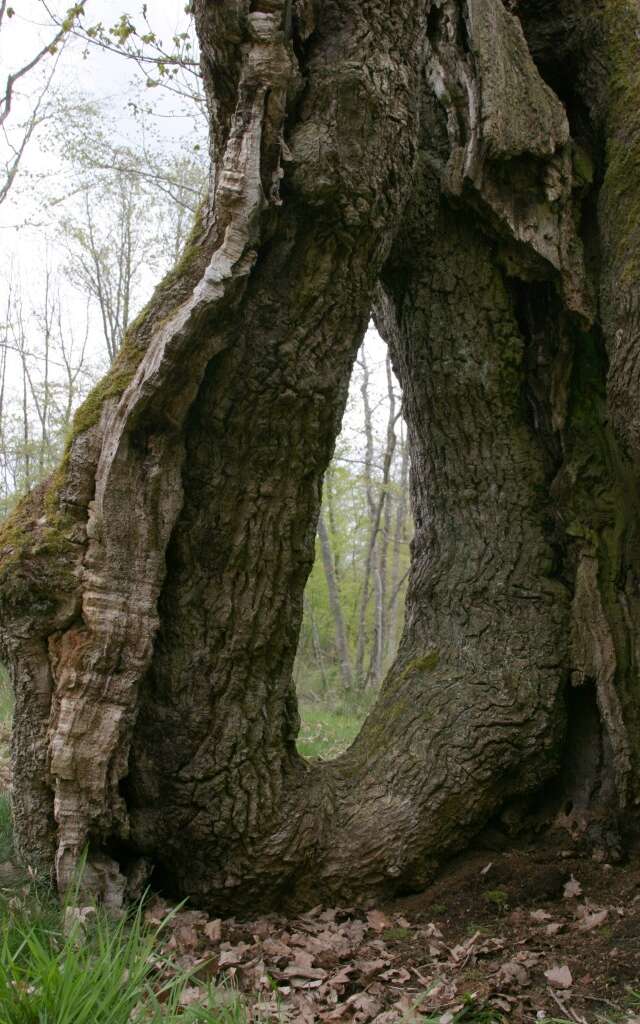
[[112, 385], [37, 554], [426, 663]]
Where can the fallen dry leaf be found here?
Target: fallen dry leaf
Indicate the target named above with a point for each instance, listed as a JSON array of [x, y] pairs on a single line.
[[528, 957], [370, 967], [190, 995], [512, 975], [276, 949], [502, 1003], [234, 955], [366, 1006], [305, 1011], [572, 888], [461, 953], [213, 930], [539, 916], [342, 978], [490, 946], [396, 975], [302, 972], [441, 994], [554, 928], [186, 937], [591, 921], [378, 921], [559, 977]]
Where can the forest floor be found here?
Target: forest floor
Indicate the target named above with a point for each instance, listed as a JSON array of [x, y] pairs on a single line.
[[327, 728], [522, 936]]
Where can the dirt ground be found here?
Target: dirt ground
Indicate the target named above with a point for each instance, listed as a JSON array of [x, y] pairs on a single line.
[[542, 911]]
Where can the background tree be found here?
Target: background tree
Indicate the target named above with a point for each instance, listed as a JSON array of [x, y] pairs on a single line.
[[128, 216], [19, 127], [53, 375]]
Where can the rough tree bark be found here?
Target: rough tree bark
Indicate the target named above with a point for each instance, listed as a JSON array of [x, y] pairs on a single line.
[[466, 169]]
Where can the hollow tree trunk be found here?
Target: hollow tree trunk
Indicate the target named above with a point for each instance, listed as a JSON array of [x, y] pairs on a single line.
[[152, 592]]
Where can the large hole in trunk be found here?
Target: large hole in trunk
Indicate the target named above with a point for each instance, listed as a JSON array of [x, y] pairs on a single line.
[[354, 599]]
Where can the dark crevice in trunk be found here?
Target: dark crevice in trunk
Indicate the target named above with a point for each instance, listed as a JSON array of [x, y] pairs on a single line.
[[538, 312], [587, 777]]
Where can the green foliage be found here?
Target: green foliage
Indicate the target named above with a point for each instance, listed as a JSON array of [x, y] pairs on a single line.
[[397, 934], [144, 45], [472, 1012], [367, 526], [6, 698], [345, 513], [498, 897]]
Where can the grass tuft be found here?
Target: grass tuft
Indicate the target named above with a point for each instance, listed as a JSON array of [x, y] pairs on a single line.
[[111, 975]]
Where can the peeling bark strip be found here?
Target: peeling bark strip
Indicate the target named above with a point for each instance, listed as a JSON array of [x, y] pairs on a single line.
[[138, 492], [423, 159]]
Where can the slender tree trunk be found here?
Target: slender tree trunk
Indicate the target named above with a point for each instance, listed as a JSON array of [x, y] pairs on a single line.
[[392, 441], [329, 500], [26, 439], [365, 593], [335, 604], [399, 538], [382, 524], [317, 646], [151, 596]]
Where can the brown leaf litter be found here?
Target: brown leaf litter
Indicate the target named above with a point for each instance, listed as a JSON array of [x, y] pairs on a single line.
[[562, 939]]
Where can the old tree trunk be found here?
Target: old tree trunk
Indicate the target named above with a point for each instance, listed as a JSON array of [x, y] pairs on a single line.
[[470, 170]]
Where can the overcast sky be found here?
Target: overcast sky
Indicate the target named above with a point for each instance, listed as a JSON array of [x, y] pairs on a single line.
[[28, 233]]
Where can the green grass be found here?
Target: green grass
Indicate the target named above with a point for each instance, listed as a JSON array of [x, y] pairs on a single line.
[[326, 732], [498, 897], [110, 975]]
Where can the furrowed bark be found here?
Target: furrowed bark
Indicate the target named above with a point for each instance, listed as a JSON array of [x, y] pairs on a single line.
[[151, 596]]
